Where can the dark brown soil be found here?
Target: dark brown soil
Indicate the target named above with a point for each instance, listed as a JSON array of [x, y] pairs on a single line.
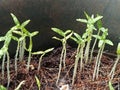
[[49, 71]]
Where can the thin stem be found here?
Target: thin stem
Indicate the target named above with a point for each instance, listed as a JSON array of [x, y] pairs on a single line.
[[3, 65], [8, 71], [91, 54], [64, 54], [60, 66], [96, 64], [77, 57], [114, 67], [40, 59], [81, 60], [87, 51], [101, 52], [16, 57]]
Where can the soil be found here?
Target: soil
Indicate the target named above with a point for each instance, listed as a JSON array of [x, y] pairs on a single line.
[[49, 71]]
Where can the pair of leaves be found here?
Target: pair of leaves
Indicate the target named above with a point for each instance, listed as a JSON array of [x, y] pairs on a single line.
[[43, 52], [90, 20], [77, 38], [66, 35]]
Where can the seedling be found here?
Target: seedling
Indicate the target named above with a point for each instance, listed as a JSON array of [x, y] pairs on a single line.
[[90, 21], [22, 32], [38, 82], [42, 53], [20, 84], [79, 54], [66, 35], [101, 45], [30, 35], [116, 62]]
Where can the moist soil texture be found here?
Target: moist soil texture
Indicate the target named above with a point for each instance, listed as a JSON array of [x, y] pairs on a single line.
[[49, 71]]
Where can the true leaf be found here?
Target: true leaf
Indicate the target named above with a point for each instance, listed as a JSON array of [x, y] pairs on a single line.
[[16, 21], [60, 32]]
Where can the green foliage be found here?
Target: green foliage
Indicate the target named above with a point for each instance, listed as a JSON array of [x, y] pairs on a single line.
[[90, 21]]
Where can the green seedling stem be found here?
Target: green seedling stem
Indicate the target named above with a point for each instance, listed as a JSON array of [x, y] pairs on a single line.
[[38, 82], [90, 21], [79, 54], [42, 53], [101, 45], [8, 71], [66, 35], [3, 64], [111, 74]]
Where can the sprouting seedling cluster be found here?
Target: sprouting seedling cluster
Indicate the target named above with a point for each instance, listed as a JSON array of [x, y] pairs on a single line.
[[90, 21], [19, 33], [101, 44]]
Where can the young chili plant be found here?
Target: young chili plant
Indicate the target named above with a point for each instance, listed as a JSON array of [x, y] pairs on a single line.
[[42, 53], [30, 35], [101, 45], [111, 74], [79, 54], [66, 35], [21, 29], [90, 21]]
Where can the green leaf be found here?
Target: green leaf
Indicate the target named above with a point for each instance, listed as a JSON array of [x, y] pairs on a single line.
[[15, 38], [38, 52], [38, 82], [16, 21], [48, 50], [118, 49], [100, 43], [68, 36], [2, 38], [110, 86], [82, 20], [96, 36], [60, 32], [25, 23], [34, 33], [109, 42], [18, 32], [57, 38], [67, 32], [2, 87], [99, 24], [97, 18], [87, 16], [75, 39], [77, 36]]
